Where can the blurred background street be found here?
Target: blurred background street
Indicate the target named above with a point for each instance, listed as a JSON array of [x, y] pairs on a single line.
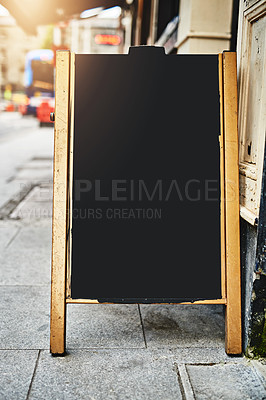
[[26, 154]]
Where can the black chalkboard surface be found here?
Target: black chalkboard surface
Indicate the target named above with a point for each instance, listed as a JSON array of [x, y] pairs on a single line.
[[146, 178]]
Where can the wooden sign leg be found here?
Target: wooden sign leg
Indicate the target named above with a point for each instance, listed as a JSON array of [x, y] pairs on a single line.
[[233, 340], [59, 235]]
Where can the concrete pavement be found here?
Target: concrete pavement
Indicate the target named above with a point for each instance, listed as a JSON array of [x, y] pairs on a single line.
[[114, 351]]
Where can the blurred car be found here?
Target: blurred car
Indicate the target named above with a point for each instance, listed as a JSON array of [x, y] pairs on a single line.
[[44, 109], [10, 107], [29, 106]]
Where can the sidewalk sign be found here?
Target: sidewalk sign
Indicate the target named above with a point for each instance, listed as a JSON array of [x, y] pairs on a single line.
[[146, 205]]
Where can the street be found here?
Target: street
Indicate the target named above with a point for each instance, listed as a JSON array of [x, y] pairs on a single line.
[[23, 148], [122, 352]]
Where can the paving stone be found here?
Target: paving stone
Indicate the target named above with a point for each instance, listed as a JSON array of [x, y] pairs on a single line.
[[7, 232], [260, 367], [103, 374], [201, 355], [31, 210], [34, 175], [183, 326], [16, 373], [24, 322], [38, 163], [9, 190], [36, 168], [104, 325], [37, 204], [27, 259], [25, 267], [238, 382], [34, 235]]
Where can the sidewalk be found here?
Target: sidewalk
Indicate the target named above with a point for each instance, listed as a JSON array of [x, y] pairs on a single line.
[[122, 352]]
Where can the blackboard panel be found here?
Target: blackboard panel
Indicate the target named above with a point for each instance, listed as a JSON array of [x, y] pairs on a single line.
[[146, 172]]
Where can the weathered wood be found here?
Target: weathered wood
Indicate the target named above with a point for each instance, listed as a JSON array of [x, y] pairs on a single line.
[[251, 218], [222, 205], [59, 235], [233, 342], [252, 104], [70, 171]]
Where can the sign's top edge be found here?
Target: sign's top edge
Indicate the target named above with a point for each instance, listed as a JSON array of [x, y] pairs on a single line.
[[148, 50]]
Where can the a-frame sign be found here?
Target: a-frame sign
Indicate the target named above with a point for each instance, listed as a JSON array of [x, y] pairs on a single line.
[[146, 203]]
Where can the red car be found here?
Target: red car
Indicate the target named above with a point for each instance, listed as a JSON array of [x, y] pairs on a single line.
[[44, 110]]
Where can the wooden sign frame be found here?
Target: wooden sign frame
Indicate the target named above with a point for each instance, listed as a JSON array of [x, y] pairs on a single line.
[[230, 233]]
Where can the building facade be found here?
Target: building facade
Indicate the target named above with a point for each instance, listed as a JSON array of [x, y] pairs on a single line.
[[14, 45]]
